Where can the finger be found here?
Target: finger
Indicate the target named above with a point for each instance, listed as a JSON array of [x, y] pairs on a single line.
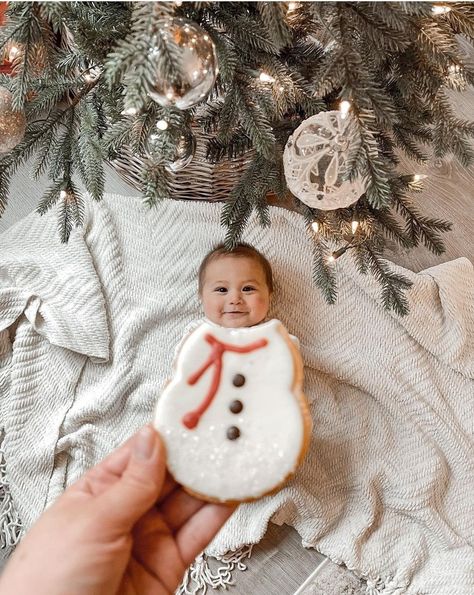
[[168, 487], [154, 547], [143, 581], [140, 483], [178, 508], [106, 472], [195, 535]]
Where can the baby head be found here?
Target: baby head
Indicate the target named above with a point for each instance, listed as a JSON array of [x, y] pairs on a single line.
[[235, 286]]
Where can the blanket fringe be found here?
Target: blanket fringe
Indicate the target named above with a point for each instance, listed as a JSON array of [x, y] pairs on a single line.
[[199, 576], [11, 528], [381, 587], [373, 586]]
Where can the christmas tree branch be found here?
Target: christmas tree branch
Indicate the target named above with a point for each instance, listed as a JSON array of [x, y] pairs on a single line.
[[323, 273], [278, 65], [392, 283]]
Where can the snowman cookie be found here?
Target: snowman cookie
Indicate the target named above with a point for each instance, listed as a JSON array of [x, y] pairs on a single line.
[[234, 419]]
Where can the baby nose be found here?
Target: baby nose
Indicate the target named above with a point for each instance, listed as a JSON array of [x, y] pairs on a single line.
[[235, 297]]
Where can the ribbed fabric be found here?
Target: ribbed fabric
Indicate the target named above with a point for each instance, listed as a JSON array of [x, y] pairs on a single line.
[[387, 486]]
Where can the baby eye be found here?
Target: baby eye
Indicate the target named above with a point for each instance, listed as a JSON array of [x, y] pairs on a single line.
[[220, 289], [248, 288]]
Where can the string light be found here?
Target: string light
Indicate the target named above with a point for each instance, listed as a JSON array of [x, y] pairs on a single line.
[[455, 75], [455, 72], [418, 177], [411, 178], [344, 108], [130, 111], [92, 75], [266, 78], [335, 255], [355, 225], [315, 226], [338, 253], [162, 124], [62, 194], [13, 52], [440, 9], [292, 6]]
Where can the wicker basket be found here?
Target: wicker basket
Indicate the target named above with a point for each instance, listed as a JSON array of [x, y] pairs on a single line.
[[199, 180]]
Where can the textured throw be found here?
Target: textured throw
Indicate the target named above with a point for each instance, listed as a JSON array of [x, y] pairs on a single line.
[[87, 333]]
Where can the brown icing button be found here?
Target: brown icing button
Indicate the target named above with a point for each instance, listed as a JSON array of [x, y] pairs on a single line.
[[233, 433], [236, 406], [238, 380]]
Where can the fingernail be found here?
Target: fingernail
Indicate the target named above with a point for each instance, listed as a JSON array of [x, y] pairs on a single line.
[[144, 444]]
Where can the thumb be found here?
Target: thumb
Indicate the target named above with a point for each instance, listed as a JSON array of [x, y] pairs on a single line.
[[140, 484]]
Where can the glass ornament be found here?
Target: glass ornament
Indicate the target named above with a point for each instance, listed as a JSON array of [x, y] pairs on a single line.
[[198, 65], [185, 149]]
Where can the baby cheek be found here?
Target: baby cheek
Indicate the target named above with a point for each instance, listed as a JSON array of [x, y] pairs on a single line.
[[211, 303], [262, 302]]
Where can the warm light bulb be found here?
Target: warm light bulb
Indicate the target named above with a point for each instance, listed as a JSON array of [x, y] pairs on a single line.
[[315, 226], [62, 194], [130, 111], [344, 108], [331, 258], [455, 75], [418, 177], [292, 6], [355, 225], [440, 9], [266, 78], [91, 75], [162, 124], [13, 52]]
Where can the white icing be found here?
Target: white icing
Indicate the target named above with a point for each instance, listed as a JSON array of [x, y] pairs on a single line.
[[270, 423]]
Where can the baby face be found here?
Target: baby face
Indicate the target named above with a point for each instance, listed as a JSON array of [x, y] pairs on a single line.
[[235, 292]]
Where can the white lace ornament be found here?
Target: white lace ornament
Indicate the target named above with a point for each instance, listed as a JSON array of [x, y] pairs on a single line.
[[314, 160]]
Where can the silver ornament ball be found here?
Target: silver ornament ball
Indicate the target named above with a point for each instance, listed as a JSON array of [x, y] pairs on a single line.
[[198, 64], [185, 149], [12, 123]]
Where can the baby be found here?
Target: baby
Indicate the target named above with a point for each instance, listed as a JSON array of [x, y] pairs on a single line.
[[234, 416], [235, 286]]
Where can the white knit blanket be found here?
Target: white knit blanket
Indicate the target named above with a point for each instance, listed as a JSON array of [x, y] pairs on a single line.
[[387, 486]]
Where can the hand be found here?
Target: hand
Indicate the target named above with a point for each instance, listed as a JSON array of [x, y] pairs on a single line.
[[123, 528]]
